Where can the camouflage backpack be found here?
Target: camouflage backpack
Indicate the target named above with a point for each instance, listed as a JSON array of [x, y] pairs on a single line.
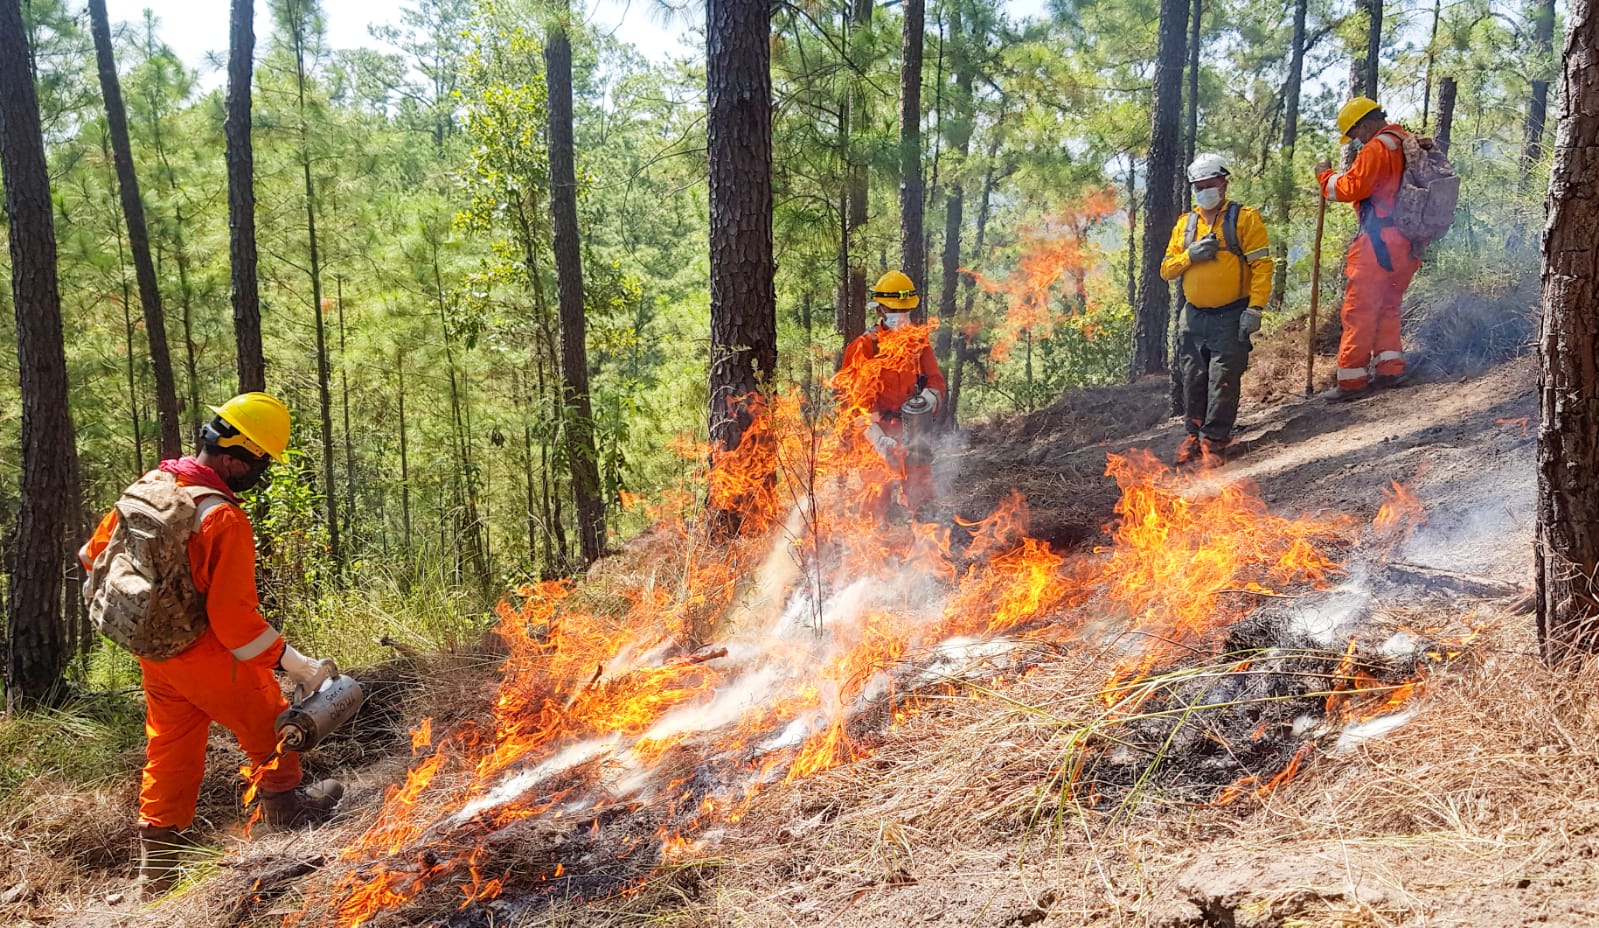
[[1425, 205], [141, 591]]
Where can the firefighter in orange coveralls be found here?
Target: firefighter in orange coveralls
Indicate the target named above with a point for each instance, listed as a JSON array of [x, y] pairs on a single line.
[[225, 676], [1380, 263], [892, 363]]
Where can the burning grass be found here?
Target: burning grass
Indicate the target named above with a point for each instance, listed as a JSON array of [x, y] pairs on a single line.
[[615, 748]]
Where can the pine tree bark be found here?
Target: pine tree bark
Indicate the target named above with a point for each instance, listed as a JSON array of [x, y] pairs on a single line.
[[36, 645], [1373, 45], [912, 248], [852, 277], [578, 413], [240, 157], [959, 129], [1160, 198], [1446, 113], [330, 489], [1184, 194], [1543, 36], [1191, 98], [155, 326], [1290, 139], [1567, 550], [743, 296]]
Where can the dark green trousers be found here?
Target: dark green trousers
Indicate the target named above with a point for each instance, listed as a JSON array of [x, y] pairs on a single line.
[[1211, 360]]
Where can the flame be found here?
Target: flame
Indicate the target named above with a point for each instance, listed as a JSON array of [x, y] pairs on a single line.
[[1053, 252], [1180, 548], [252, 780], [1400, 514], [817, 613]]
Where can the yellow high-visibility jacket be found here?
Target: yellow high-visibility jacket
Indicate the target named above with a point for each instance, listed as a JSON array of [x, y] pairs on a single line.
[[1229, 278]]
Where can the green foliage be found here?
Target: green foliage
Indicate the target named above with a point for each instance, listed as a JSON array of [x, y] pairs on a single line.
[[429, 160]]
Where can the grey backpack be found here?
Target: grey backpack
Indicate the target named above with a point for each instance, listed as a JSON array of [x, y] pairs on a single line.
[[141, 592]]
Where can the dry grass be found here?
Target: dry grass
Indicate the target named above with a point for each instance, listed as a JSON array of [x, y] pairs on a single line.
[[958, 817]]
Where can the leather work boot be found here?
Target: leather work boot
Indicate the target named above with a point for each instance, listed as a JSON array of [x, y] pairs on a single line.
[[1339, 395], [162, 852], [1390, 381], [302, 806], [1189, 452], [1215, 452]]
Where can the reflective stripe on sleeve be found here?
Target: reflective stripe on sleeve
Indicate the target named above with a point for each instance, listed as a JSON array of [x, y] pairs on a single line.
[[1351, 373], [1390, 141], [1331, 187], [1390, 356], [257, 645], [1257, 254]]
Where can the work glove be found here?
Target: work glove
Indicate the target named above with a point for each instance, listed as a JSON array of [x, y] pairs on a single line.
[[307, 673], [1203, 249], [885, 445], [1248, 324], [931, 396]]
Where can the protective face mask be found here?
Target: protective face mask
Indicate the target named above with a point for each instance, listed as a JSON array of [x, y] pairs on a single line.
[[1208, 198], [249, 478], [896, 320]]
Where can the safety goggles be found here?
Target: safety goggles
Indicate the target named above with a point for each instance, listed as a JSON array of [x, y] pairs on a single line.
[[893, 294]]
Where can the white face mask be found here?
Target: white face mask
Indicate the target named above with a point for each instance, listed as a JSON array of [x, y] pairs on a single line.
[[1208, 197], [895, 320]]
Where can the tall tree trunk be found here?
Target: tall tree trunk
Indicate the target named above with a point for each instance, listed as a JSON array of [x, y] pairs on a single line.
[[959, 128], [1160, 201], [1446, 113], [1191, 99], [1184, 193], [349, 440], [186, 306], [36, 649], [743, 296], [1285, 168], [852, 302], [1373, 46], [405, 459], [913, 257], [1543, 37], [1567, 552], [578, 414], [240, 158], [330, 488], [1432, 61], [155, 325], [1132, 230], [135, 414]]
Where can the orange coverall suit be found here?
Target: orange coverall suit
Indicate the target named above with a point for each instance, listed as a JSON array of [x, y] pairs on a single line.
[[1375, 287], [895, 385], [225, 676]]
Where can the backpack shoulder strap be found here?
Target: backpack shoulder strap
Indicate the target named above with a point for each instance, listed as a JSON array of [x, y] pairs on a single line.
[[205, 500], [1229, 229]]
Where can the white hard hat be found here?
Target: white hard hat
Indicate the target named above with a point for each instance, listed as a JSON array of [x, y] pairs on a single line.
[[1206, 166]]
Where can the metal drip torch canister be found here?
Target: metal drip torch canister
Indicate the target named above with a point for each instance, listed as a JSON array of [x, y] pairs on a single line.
[[916, 418], [309, 719]]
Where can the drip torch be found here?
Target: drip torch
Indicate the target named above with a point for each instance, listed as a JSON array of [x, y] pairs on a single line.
[[313, 716], [916, 424]]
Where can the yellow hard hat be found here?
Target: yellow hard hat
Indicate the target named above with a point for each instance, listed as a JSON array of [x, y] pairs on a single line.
[[894, 290], [262, 420], [1352, 112]]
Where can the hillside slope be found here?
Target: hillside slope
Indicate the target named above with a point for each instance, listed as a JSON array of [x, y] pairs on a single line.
[[1479, 810]]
